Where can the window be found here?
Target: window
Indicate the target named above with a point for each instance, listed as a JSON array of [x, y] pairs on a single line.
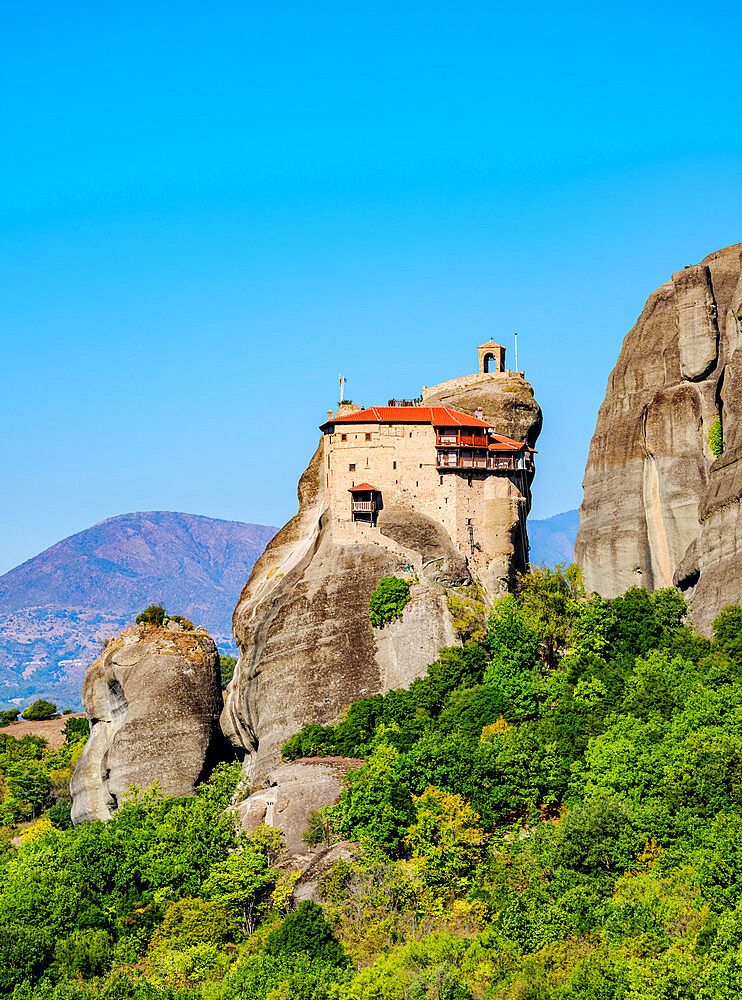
[[343, 437], [469, 477], [441, 478], [394, 465], [417, 484], [328, 461], [410, 433], [421, 465], [352, 468], [368, 437]]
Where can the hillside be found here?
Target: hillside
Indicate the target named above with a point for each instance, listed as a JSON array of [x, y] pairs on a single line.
[[552, 540], [56, 608]]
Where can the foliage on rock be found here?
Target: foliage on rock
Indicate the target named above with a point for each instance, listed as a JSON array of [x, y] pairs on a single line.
[[388, 601]]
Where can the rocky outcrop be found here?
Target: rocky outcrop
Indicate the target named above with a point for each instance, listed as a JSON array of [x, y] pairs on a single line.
[[152, 700], [658, 508], [291, 793], [306, 646]]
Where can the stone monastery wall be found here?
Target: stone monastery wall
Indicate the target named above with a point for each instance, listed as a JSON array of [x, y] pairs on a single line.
[[476, 507]]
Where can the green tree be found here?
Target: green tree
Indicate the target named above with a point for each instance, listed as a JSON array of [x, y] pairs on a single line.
[[447, 838], [226, 668], [240, 883], [40, 710], [155, 615], [715, 438], [75, 730], [306, 931]]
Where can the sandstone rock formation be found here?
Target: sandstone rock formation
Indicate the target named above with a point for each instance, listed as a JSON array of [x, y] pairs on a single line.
[[152, 700], [306, 646], [291, 793], [658, 508]]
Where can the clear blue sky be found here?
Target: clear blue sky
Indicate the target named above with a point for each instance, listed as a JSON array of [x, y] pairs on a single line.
[[209, 211]]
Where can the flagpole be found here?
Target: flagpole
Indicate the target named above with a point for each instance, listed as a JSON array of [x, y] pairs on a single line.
[[516, 351], [341, 388]]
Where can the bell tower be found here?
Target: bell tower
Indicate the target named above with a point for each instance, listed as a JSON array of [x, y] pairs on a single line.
[[491, 357]]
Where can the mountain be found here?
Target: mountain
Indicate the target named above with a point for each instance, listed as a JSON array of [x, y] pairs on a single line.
[[662, 499], [552, 540], [57, 608]]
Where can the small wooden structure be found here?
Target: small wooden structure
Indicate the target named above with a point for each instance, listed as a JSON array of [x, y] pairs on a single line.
[[365, 502]]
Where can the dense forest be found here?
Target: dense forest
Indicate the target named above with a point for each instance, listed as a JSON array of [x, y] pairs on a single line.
[[553, 811]]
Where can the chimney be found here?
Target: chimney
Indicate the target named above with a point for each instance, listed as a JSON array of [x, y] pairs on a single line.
[[479, 413], [330, 414]]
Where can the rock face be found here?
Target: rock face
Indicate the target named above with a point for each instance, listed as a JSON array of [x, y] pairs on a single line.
[[291, 793], [658, 507], [152, 700], [306, 646]]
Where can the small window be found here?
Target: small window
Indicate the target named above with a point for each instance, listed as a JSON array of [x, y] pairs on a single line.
[[410, 433], [368, 437], [417, 484], [328, 461], [421, 465], [343, 437], [441, 478], [469, 478], [352, 468], [394, 465]]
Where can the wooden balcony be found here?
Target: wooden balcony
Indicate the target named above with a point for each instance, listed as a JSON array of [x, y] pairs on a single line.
[[496, 463], [363, 506], [461, 440]]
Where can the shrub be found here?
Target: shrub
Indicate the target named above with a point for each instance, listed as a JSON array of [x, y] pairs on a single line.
[[226, 667], [75, 729], [155, 614], [306, 931], [9, 716], [40, 710], [715, 437], [388, 601], [60, 815], [86, 952], [185, 623]]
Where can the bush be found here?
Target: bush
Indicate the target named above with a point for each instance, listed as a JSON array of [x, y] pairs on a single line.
[[60, 815], [715, 437], [9, 716], [226, 667], [155, 614], [306, 931], [76, 729], [388, 601], [40, 710]]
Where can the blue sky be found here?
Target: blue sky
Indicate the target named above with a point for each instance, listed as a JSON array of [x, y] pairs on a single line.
[[208, 212]]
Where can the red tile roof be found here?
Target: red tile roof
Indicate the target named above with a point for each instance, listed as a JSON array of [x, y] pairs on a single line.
[[365, 487], [439, 416], [501, 443]]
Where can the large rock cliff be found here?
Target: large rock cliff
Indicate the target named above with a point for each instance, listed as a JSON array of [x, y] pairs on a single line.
[[153, 700], [658, 507], [306, 646]]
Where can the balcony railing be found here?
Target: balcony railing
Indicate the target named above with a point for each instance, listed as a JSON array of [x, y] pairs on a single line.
[[461, 440], [454, 460], [364, 506]]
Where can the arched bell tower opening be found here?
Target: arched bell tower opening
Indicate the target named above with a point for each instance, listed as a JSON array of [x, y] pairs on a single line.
[[491, 358]]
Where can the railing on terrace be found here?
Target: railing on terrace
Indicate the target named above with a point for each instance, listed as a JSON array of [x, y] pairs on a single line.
[[364, 506]]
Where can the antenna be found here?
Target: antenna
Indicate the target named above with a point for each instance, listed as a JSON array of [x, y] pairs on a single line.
[[516, 352]]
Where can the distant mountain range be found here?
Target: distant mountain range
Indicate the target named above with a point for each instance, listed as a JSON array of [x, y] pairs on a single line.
[[56, 608], [552, 540]]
